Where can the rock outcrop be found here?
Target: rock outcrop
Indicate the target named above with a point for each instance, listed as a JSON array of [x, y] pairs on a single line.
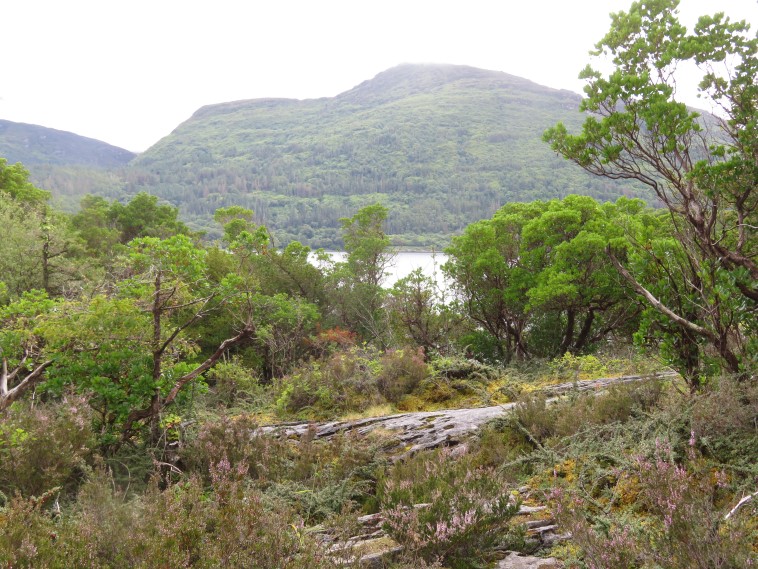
[[425, 430]]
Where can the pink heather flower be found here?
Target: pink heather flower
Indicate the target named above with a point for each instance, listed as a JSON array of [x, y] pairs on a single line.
[[224, 466]]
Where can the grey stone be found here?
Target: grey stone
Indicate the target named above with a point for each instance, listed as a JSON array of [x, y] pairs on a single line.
[[539, 523], [432, 429], [516, 561]]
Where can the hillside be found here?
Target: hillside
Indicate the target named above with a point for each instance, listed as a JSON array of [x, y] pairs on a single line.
[[68, 164], [32, 145], [440, 145]]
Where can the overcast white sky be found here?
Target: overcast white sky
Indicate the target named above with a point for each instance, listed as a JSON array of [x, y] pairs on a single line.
[[128, 72]]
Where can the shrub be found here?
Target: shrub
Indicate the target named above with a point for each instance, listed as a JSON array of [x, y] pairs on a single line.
[[237, 441], [233, 384], [725, 407], [723, 418], [444, 509], [540, 421], [678, 522], [401, 372], [456, 367], [44, 446], [27, 531], [344, 381], [327, 341], [184, 525], [573, 367]]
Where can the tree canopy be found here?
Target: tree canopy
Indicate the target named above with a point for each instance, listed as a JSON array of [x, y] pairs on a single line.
[[702, 168]]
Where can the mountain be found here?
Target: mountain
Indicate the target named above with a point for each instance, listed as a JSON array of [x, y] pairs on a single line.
[[439, 145], [31, 144], [67, 164]]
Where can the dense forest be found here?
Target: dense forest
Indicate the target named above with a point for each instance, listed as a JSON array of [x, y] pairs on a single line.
[[141, 360]]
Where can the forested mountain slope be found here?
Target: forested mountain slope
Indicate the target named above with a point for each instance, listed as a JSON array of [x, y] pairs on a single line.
[[31, 145], [439, 145], [67, 164]]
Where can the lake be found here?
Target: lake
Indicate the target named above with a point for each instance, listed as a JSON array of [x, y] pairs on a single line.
[[406, 262]]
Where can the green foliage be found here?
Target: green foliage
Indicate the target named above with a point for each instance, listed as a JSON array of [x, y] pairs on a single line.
[[95, 225], [343, 381], [103, 224], [234, 220], [101, 351], [285, 324], [401, 372], [698, 274], [536, 277], [130, 351], [22, 344], [351, 379], [569, 366], [14, 181], [232, 384], [366, 244], [39, 248], [542, 422], [356, 283], [421, 314], [142, 216]]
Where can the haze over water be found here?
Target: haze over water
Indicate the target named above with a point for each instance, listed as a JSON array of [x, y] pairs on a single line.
[[405, 262]]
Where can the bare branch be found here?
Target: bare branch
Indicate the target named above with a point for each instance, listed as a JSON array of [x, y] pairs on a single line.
[[9, 396], [657, 304], [246, 333]]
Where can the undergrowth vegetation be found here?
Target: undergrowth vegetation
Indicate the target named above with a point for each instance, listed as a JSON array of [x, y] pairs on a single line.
[[642, 474]]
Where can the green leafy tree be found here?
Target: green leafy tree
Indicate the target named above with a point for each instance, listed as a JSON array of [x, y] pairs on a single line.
[[484, 266], [95, 227], [358, 280], [285, 324], [287, 271], [171, 284], [143, 216], [702, 168], [14, 181], [367, 245], [21, 345], [133, 351], [421, 314], [577, 291], [287, 289], [19, 247], [39, 249], [537, 279]]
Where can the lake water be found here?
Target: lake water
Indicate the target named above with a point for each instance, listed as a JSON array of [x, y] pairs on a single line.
[[405, 263]]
